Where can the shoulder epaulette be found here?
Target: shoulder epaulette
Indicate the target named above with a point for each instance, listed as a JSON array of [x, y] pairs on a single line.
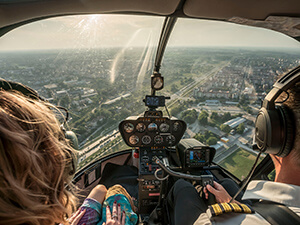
[[220, 208]]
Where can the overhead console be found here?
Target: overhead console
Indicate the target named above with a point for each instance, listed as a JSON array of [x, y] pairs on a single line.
[[152, 131]]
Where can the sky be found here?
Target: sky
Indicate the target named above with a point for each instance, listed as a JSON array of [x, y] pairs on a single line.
[[94, 31]]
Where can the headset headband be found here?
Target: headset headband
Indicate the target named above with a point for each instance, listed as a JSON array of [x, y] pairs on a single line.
[[282, 84], [25, 90]]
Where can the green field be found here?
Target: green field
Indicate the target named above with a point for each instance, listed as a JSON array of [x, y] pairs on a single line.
[[239, 163]]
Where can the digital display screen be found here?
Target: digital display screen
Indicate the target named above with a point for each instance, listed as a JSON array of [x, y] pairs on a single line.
[[197, 157], [152, 101]]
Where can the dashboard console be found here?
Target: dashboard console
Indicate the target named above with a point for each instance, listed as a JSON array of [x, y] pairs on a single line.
[[149, 186], [152, 131], [151, 135]]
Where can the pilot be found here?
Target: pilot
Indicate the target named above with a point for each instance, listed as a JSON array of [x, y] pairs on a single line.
[[189, 208]]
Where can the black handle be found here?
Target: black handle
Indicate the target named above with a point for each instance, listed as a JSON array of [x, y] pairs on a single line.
[[209, 179], [211, 199]]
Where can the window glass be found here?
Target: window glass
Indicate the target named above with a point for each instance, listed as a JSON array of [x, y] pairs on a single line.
[[217, 73], [96, 66]]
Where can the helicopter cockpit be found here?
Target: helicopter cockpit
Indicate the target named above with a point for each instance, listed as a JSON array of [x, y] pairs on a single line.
[[158, 93]]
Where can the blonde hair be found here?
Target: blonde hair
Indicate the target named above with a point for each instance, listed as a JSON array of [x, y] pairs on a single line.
[[33, 159]]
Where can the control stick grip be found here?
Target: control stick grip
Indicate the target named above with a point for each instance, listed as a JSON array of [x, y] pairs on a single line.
[[209, 179]]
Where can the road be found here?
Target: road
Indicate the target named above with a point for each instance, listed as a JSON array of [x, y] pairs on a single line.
[[116, 99], [88, 138], [98, 129], [220, 155], [97, 145], [188, 88], [223, 109], [235, 142]]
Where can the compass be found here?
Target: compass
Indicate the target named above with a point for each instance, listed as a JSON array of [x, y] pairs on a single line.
[[157, 81]]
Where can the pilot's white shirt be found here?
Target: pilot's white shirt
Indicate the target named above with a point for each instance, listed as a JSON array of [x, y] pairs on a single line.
[[286, 194]]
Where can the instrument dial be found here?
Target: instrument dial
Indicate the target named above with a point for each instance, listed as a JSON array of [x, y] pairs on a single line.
[[157, 83], [176, 126], [170, 140], [164, 127], [158, 139], [146, 140], [140, 127], [152, 127], [134, 139], [128, 127]]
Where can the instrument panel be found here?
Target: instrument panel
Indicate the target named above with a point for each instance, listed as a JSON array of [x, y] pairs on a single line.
[[150, 131]]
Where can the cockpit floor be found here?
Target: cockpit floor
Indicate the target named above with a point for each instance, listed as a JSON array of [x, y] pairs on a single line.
[[124, 175]]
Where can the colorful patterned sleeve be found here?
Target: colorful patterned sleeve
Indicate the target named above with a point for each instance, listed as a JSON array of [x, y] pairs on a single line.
[[93, 212]]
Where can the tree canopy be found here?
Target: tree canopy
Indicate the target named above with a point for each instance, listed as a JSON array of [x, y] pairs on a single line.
[[240, 129], [189, 116], [212, 141], [225, 128], [203, 117]]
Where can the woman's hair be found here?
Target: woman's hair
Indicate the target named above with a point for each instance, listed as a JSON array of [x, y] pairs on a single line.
[[34, 156]]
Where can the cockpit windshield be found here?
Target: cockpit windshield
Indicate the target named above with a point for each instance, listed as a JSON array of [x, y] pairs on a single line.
[[217, 74], [96, 66], [99, 67]]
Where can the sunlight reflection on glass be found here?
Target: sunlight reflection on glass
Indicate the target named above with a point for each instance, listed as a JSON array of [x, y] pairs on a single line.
[[115, 63]]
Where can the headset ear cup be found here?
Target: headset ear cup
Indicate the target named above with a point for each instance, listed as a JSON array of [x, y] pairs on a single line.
[[289, 130]]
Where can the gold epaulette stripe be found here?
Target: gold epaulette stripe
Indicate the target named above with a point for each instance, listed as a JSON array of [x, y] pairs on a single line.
[[222, 208], [218, 209], [236, 207], [246, 208], [226, 207]]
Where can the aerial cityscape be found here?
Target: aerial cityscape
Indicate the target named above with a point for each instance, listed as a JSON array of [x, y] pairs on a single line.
[[217, 92]]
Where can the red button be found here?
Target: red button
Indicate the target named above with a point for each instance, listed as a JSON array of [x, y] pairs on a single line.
[[154, 194]]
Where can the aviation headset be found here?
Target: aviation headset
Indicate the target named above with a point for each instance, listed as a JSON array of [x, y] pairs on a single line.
[[274, 125], [69, 135]]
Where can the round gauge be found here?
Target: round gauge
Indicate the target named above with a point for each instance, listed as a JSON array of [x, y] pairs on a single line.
[[158, 139], [140, 127], [146, 140], [134, 139], [128, 127], [170, 139], [164, 127], [152, 127], [157, 83], [176, 126]]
